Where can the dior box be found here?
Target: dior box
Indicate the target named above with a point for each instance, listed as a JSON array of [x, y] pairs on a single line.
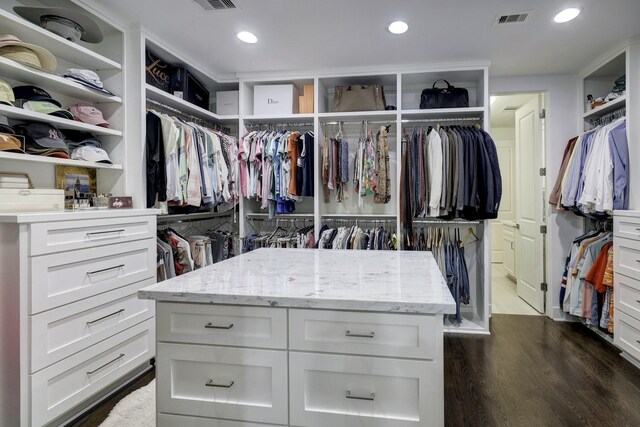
[[185, 86], [275, 99], [227, 103]]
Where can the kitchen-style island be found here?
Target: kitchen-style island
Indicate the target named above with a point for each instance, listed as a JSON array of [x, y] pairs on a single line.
[[300, 337]]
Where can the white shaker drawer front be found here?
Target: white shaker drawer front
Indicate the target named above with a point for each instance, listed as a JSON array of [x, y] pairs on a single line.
[[223, 382], [627, 295], [222, 325], [62, 386], [63, 331], [170, 420], [59, 279], [626, 227], [52, 237], [345, 391], [626, 255], [626, 333], [376, 334]]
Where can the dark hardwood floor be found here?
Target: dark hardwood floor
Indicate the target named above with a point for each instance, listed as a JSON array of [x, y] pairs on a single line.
[[530, 372], [533, 371]]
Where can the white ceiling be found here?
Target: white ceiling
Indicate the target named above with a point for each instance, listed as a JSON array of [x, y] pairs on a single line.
[[308, 35], [502, 118]]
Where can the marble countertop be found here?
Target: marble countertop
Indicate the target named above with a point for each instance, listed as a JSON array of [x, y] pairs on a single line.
[[33, 217], [385, 281]]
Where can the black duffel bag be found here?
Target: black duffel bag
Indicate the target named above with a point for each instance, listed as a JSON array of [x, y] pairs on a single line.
[[449, 97]]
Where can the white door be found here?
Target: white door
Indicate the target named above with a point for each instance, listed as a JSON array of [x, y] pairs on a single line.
[[529, 240]]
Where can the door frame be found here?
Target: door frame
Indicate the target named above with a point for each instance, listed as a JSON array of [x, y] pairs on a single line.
[[541, 204]]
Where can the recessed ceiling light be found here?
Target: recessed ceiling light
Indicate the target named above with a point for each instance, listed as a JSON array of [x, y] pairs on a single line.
[[492, 99], [567, 15], [247, 37], [398, 27]]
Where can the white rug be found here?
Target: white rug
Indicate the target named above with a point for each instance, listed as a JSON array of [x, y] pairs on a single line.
[[138, 409]]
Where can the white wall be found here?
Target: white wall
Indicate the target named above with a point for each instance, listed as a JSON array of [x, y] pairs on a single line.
[[505, 139], [564, 107]]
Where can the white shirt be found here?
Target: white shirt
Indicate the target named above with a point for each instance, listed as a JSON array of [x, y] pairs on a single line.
[[435, 172]]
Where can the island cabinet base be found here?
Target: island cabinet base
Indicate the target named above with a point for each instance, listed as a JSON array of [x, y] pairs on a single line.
[[240, 366]]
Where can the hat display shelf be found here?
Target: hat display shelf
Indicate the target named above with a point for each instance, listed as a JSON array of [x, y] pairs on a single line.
[[105, 58]]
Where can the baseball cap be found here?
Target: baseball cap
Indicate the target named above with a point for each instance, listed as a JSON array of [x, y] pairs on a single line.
[[43, 139], [91, 154], [46, 107], [87, 78], [33, 93], [88, 114], [7, 129], [6, 93], [10, 143], [28, 54]]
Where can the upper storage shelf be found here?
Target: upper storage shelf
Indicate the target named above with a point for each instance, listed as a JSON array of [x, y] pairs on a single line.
[[327, 89], [180, 104], [60, 48], [601, 81], [473, 80]]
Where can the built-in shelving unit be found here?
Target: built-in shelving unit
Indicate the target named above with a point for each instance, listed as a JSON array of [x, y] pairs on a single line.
[[289, 118], [600, 111], [598, 81], [28, 158]]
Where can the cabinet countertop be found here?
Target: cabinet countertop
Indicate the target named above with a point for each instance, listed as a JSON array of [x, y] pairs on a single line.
[[33, 217], [383, 281]]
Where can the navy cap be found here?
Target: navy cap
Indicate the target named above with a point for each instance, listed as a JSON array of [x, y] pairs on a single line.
[[33, 93], [7, 129], [43, 134]]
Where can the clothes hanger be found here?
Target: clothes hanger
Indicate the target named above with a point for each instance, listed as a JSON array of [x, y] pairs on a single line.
[[470, 233]]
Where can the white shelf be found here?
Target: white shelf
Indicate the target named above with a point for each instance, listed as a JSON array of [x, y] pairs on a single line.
[[186, 107], [55, 161], [606, 108], [50, 82], [287, 118], [359, 215], [438, 113], [359, 115], [61, 123], [59, 47], [280, 216], [197, 216]]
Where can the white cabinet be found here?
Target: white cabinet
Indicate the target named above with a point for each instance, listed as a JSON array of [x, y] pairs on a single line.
[[71, 310], [338, 368]]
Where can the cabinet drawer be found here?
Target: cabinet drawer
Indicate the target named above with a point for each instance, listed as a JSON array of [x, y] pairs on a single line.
[[51, 237], [63, 331], [626, 255], [627, 295], [222, 325], [626, 227], [223, 382], [60, 387], [378, 334], [170, 420], [63, 278], [627, 333], [346, 391]]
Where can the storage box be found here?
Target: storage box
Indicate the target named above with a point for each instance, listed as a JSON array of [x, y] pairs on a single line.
[[185, 86], [227, 103], [158, 72], [29, 200], [275, 100]]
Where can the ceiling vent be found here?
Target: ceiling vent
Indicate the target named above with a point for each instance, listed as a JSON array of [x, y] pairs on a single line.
[[211, 5], [515, 18], [511, 108]]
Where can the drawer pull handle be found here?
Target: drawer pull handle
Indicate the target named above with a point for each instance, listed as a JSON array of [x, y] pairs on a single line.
[[211, 384], [107, 316], [212, 326], [349, 396], [99, 233], [105, 269], [105, 365], [370, 335]]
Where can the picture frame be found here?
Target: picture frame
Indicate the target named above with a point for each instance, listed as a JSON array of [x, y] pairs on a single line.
[[76, 181]]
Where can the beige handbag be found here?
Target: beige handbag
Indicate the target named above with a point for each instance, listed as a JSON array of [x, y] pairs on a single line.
[[359, 98]]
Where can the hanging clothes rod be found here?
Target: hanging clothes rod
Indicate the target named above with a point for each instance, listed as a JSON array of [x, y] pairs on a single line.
[[444, 223], [184, 115], [443, 120], [372, 122], [281, 219], [293, 125], [609, 117]]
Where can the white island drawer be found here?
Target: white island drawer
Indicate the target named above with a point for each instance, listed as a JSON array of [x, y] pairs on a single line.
[[627, 295], [63, 278], [626, 254], [627, 333], [60, 387], [376, 334], [223, 382], [170, 420], [627, 227], [222, 325], [346, 391], [51, 237], [63, 331]]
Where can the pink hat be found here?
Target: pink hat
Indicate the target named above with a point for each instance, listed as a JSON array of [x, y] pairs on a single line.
[[88, 114]]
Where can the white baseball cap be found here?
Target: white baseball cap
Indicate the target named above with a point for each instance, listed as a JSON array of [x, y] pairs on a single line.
[[91, 154]]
